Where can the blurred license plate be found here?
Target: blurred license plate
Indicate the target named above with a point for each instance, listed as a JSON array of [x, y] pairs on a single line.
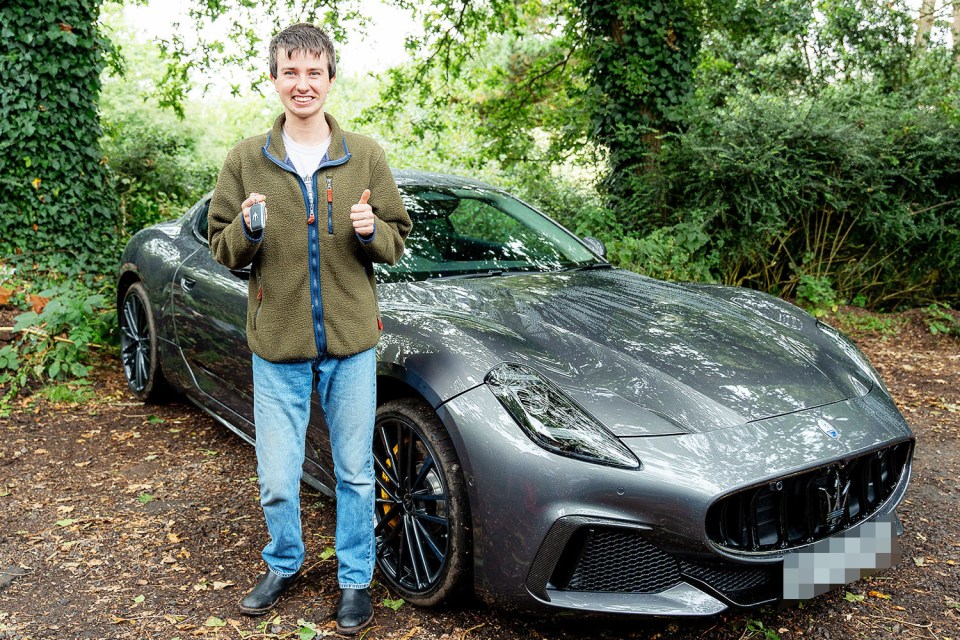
[[841, 559]]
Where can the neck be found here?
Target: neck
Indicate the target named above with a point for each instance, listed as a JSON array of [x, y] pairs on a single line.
[[311, 132]]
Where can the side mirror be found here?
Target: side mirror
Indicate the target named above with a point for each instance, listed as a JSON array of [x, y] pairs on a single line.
[[595, 245]]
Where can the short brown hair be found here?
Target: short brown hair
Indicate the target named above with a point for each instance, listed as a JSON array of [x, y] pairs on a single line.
[[303, 37]]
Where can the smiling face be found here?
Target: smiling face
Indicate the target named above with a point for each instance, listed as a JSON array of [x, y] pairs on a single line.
[[303, 81]]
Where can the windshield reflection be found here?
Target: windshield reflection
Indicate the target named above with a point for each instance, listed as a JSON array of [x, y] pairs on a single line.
[[473, 232]]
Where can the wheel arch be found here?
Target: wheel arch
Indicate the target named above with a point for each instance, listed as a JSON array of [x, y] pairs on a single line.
[[395, 382]]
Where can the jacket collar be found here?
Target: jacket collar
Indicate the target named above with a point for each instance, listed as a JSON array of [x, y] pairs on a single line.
[[337, 154]]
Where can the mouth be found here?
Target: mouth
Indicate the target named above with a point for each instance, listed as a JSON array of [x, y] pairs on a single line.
[[303, 99]]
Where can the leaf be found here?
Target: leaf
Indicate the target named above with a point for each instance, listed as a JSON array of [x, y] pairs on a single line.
[[37, 302], [327, 553], [144, 498], [217, 585], [213, 621], [877, 594], [5, 294], [854, 597], [919, 561], [139, 599], [66, 522], [393, 604]]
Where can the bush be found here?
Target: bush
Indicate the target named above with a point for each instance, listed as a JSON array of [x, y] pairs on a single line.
[[56, 340], [857, 189]]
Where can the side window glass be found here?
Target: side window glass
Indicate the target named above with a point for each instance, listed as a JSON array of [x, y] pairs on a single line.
[[200, 221]]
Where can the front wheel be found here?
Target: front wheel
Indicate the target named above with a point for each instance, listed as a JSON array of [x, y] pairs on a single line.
[[422, 513], [138, 346]]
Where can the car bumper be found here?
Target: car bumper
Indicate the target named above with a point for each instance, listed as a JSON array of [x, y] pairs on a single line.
[[554, 531]]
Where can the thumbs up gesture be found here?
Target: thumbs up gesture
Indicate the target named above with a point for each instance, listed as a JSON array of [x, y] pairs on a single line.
[[362, 216]]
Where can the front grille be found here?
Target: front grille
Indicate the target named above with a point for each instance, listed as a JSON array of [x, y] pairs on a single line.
[[613, 560], [807, 507]]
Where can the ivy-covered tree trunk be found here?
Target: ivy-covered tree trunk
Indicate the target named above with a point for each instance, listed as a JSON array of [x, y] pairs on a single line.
[[642, 56], [55, 193]]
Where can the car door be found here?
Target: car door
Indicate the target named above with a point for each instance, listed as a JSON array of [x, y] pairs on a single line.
[[210, 308]]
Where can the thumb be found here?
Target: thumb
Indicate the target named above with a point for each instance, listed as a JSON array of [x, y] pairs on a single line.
[[365, 196]]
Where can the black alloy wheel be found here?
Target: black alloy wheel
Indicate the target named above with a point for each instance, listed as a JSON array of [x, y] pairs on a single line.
[[138, 345], [422, 514]]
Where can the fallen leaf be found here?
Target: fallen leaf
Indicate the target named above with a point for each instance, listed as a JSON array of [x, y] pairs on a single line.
[[919, 561], [66, 522], [854, 597], [217, 585], [40, 452], [393, 604], [5, 294], [214, 622], [877, 594], [37, 302]]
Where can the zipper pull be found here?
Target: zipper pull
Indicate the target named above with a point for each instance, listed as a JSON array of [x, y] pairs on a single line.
[[329, 190]]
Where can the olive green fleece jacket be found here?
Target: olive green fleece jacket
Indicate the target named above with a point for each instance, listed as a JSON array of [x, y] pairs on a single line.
[[280, 310]]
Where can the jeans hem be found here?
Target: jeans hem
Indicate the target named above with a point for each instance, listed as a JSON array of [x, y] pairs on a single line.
[[355, 586], [281, 574]]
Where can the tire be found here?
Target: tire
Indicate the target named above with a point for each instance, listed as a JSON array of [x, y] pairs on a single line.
[[422, 512], [138, 346]]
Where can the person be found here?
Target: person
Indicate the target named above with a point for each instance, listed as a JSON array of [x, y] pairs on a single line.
[[332, 210]]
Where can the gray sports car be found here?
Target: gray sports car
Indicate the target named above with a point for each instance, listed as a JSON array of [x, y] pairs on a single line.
[[555, 431]]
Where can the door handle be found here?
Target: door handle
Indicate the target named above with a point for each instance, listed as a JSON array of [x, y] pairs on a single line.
[[187, 284]]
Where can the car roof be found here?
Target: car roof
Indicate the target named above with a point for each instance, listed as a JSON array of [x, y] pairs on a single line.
[[410, 178]]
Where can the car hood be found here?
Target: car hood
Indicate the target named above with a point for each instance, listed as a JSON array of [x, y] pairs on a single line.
[[644, 356]]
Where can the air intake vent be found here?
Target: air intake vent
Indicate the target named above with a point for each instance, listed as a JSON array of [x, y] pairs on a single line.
[[807, 507], [614, 560]]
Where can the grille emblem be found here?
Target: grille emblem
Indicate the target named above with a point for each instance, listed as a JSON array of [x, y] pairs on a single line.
[[827, 428], [832, 495]]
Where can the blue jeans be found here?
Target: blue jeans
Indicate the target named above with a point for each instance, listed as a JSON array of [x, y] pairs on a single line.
[[281, 407]]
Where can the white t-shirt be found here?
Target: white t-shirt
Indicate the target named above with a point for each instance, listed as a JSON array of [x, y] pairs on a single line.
[[305, 159]]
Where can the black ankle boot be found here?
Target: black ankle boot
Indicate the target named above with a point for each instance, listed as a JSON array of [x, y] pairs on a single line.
[[355, 611], [266, 594]]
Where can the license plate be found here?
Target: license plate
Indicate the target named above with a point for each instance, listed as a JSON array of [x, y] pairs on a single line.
[[841, 559]]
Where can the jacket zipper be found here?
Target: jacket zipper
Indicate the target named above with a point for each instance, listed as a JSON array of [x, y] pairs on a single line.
[[256, 315], [329, 205]]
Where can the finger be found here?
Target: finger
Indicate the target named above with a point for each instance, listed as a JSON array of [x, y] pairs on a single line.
[[365, 196]]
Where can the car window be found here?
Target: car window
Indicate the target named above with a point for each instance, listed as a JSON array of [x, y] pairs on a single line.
[[460, 232], [199, 218]]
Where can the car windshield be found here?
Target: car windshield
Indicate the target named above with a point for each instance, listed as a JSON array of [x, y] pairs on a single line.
[[471, 232]]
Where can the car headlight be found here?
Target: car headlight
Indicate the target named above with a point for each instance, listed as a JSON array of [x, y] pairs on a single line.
[[553, 420], [853, 352]]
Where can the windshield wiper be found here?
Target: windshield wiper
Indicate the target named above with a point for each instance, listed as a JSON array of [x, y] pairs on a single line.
[[476, 274], [589, 267]]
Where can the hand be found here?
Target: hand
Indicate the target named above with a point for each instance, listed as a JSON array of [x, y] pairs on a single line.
[[249, 202], [362, 216]]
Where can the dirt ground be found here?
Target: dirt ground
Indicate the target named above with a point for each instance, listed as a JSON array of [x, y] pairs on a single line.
[[119, 520]]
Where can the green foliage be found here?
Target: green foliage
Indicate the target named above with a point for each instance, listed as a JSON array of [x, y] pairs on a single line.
[[641, 69], [58, 342], [942, 320], [816, 294], [858, 323], [55, 195], [756, 629], [76, 392], [158, 173], [852, 188]]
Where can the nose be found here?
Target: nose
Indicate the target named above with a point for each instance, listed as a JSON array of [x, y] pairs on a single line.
[[302, 82]]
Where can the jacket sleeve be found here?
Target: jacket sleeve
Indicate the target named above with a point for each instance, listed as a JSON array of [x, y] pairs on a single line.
[[393, 223], [231, 244]]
